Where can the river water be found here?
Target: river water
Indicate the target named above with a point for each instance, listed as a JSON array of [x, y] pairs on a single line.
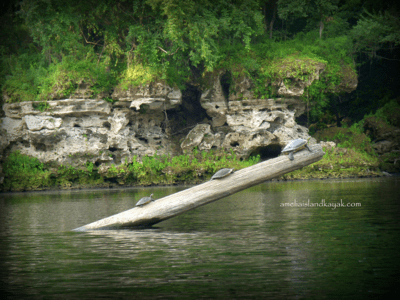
[[278, 240]]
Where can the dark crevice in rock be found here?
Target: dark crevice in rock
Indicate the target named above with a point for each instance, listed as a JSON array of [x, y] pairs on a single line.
[[189, 114], [40, 147], [226, 81], [254, 137], [143, 140], [25, 144], [301, 120], [268, 152]]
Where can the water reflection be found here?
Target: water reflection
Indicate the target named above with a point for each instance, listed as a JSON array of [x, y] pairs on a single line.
[[244, 246]]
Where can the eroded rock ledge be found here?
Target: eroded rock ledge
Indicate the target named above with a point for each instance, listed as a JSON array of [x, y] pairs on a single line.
[[138, 123]]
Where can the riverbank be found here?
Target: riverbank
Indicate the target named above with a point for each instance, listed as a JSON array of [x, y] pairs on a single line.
[[27, 174]]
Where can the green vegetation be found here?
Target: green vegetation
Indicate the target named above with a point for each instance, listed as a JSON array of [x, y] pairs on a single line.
[[50, 48], [53, 47], [298, 59], [339, 163], [355, 155], [27, 173]]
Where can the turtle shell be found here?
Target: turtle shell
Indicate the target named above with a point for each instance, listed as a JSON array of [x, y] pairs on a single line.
[[145, 200], [294, 145], [222, 173]]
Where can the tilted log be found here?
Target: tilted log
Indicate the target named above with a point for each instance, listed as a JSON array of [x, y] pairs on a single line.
[[191, 198]]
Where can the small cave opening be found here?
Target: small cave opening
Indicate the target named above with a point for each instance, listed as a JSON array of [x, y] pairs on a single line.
[[268, 152], [107, 125], [113, 149], [190, 113], [77, 126], [234, 144], [302, 120], [111, 180], [144, 108], [226, 81], [41, 147], [143, 140], [25, 144]]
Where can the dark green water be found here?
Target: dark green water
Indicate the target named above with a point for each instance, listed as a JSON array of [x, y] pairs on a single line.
[[246, 246]]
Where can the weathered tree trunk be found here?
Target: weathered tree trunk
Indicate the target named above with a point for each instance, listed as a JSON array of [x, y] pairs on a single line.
[[271, 25], [321, 28], [178, 203]]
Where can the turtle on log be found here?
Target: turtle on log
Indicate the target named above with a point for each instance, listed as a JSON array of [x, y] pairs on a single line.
[[222, 173], [145, 200], [294, 146]]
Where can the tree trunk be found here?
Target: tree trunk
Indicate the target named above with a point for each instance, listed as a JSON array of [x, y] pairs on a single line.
[[321, 28], [183, 201], [271, 24]]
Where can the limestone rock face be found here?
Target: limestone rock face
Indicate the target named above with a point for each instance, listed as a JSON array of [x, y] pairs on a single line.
[[35, 123], [196, 136], [77, 130], [214, 102], [154, 96], [58, 108], [252, 123], [74, 131], [255, 124]]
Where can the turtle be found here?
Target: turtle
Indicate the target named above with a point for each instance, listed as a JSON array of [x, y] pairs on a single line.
[[222, 173], [145, 200], [295, 146]]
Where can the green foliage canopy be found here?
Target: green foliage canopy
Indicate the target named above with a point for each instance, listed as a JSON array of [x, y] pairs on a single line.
[[104, 43]]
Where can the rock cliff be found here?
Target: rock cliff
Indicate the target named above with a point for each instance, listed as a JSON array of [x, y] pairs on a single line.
[[157, 118]]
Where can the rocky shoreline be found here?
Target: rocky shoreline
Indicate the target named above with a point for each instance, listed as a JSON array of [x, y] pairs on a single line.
[[221, 112], [83, 142]]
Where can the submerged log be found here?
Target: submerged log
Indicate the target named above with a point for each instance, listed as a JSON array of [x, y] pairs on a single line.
[[183, 201]]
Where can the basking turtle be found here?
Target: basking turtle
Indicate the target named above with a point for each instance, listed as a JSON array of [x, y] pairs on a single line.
[[222, 173], [145, 200], [295, 146]]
